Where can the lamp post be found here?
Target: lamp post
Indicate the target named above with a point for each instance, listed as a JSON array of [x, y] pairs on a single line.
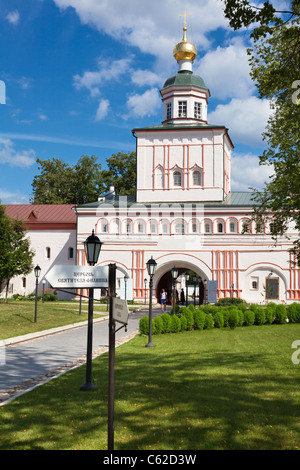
[[174, 272], [199, 284], [151, 268], [145, 284], [187, 276], [37, 272], [125, 285], [195, 280], [92, 246], [44, 282]]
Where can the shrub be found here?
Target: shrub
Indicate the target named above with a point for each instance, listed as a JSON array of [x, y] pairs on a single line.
[[183, 322], [260, 316], [157, 325], [280, 314], [219, 320], [175, 324], [249, 317], [233, 318], [225, 312], [199, 319], [227, 301], [241, 317], [166, 319], [144, 325], [293, 312], [269, 314], [209, 322], [189, 318], [272, 306], [192, 307], [242, 307]]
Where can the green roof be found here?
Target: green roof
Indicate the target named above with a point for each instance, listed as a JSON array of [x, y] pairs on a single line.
[[233, 199], [185, 78], [168, 127]]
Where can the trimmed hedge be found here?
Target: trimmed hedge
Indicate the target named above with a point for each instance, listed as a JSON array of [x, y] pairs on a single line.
[[212, 316]]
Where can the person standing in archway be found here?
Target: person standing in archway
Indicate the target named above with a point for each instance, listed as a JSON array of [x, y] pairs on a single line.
[[163, 300]]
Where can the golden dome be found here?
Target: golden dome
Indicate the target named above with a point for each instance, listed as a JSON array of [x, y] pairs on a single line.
[[185, 50]]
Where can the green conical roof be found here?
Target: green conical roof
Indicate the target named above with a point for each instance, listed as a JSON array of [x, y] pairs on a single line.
[[185, 78]]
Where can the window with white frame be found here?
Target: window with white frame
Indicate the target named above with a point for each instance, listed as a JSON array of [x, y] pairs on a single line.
[[232, 226], [207, 226], [169, 110], [197, 178], [197, 110], [179, 227], [177, 178], [182, 108]]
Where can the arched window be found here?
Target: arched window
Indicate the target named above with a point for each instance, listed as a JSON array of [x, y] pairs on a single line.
[[179, 227], [177, 178], [207, 226], [197, 179]]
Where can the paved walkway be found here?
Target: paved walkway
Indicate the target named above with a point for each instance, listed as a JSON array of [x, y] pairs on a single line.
[[49, 354]]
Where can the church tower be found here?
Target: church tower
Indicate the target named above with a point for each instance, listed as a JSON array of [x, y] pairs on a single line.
[[184, 159]]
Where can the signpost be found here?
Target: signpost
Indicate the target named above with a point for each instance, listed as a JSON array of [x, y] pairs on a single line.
[[78, 277]]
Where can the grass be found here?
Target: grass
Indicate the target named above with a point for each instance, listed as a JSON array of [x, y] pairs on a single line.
[[17, 318], [197, 390]]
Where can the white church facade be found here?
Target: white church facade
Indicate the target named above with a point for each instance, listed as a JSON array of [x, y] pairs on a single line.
[[184, 212]]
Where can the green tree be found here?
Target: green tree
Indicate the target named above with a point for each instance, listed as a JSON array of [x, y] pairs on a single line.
[[121, 173], [87, 180], [16, 256], [275, 68], [54, 184]]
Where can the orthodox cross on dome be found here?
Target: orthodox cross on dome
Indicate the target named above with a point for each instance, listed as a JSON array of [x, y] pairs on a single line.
[[185, 15]]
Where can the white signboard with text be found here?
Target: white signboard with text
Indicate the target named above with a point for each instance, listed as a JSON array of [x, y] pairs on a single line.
[[80, 277]]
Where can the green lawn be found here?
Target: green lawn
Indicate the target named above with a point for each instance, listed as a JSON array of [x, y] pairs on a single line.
[[17, 318], [210, 389]]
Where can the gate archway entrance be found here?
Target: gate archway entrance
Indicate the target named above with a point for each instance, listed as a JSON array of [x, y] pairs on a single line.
[[163, 277]]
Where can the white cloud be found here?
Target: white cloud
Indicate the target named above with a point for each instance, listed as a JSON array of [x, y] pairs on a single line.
[[154, 27], [146, 77], [102, 110], [13, 17], [146, 104], [247, 173], [9, 155], [7, 197], [225, 71], [106, 71], [245, 118]]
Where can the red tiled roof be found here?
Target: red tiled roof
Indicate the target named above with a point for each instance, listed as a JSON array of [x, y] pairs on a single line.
[[42, 215]]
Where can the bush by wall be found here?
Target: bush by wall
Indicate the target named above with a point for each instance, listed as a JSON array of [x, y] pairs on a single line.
[[212, 316]]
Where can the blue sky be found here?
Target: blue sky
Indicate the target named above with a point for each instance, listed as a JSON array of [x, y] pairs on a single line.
[[80, 74]]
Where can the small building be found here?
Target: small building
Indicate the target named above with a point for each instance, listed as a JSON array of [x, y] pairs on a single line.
[[52, 233]]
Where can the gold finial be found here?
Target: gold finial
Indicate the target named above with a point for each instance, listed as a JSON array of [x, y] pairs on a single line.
[[185, 50], [185, 15]]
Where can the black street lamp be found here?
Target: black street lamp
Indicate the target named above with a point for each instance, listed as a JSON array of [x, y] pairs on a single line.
[[174, 272], [37, 272], [151, 268], [195, 280], [145, 284], [199, 286], [92, 246], [125, 285], [187, 276]]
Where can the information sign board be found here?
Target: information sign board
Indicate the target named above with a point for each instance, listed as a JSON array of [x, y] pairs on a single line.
[[80, 277], [120, 310]]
